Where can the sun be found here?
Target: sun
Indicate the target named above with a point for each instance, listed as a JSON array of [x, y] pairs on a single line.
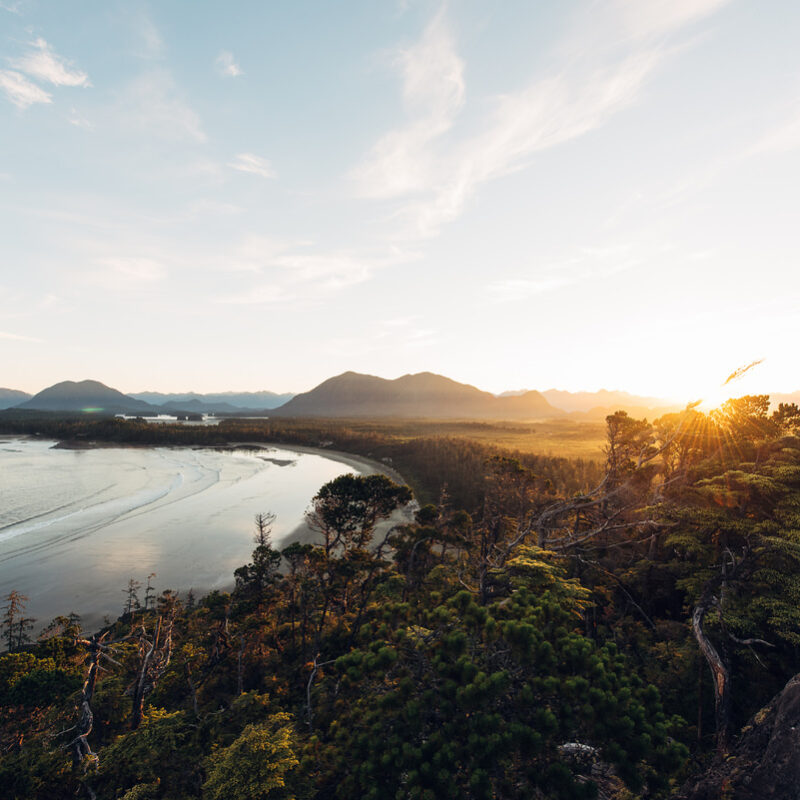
[[739, 383], [714, 397]]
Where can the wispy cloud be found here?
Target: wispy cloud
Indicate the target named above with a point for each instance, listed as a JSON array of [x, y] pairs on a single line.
[[20, 91], [658, 18], [13, 8], [16, 337], [552, 111], [437, 168], [586, 264], [149, 44], [128, 270], [153, 103], [227, 66], [248, 162], [44, 64], [433, 93], [281, 270], [79, 121]]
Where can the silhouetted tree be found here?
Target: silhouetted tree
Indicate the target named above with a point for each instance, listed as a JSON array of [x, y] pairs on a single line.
[[14, 625]]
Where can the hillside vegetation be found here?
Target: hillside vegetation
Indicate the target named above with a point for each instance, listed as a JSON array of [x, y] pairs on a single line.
[[561, 638]]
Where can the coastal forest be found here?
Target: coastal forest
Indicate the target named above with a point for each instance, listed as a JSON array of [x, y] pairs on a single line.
[[553, 627]]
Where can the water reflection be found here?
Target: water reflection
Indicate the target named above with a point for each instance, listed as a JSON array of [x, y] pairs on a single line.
[[75, 525]]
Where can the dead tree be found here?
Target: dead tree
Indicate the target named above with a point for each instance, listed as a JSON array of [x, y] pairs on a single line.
[[720, 674], [154, 657], [98, 650]]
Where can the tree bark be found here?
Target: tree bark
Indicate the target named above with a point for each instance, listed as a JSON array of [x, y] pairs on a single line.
[[720, 674]]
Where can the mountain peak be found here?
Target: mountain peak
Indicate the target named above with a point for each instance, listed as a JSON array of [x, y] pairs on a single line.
[[422, 394], [84, 395]]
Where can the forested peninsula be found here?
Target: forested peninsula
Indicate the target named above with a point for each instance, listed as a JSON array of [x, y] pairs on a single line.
[[548, 627]]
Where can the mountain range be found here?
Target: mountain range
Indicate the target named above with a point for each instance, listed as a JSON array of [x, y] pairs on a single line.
[[227, 402], [12, 397], [355, 395], [89, 394]]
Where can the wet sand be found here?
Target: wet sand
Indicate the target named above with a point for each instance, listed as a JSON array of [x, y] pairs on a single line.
[[193, 536]]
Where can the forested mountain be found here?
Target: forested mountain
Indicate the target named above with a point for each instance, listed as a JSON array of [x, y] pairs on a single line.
[[82, 395], [228, 402], [421, 395], [12, 397], [78, 396]]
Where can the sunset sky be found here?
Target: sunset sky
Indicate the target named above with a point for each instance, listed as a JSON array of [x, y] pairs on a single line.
[[253, 195]]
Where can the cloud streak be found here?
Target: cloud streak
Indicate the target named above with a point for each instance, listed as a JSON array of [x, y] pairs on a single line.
[[153, 103], [17, 337], [44, 64], [280, 271], [433, 94], [432, 168], [587, 264], [256, 165], [133, 269], [227, 66], [20, 91]]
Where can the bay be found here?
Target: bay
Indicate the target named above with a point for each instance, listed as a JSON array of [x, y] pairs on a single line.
[[76, 525]]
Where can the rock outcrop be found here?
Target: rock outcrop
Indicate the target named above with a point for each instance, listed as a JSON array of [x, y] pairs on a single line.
[[765, 762]]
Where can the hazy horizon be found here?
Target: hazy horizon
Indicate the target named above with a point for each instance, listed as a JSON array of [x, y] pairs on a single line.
[[734, 391], [531, 195]]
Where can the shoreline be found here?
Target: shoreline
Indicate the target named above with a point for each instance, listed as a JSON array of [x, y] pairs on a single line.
[[303, 534], [95, 616], [367, 466]]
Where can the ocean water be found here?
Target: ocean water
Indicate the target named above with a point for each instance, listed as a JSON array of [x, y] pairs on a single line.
[[76, 525]]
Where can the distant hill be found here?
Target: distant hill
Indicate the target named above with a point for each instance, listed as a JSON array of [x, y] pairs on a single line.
[[227, 402], [777, 398], [200, 407], [599, 413], [12, 397], [593, 406], [422, 395], [604, 399], [84, 395]]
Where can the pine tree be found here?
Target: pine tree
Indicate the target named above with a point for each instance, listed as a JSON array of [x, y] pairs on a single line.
[[14, 624]]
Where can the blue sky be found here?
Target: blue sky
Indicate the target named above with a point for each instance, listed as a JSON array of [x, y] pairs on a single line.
[[258, 195]]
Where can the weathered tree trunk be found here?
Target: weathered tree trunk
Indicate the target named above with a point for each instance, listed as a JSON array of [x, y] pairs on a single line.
[[720, 674], [80, 744], [155, 659], [139, 687]]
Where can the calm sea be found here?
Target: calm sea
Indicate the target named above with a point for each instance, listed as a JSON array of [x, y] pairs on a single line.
[[75, 525]]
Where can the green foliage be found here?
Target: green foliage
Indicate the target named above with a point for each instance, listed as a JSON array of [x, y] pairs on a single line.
[[476, 703], [30, 681], [35, 771], [259, 765]]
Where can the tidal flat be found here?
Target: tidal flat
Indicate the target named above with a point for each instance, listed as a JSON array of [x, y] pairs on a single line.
[[77, 524]]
